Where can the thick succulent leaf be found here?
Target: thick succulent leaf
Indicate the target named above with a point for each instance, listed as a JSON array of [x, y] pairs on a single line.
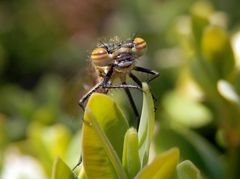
[[102, 139], [163, 166], [62, 171], [146, 125], [192, 147], [131, 160], [187, 170]]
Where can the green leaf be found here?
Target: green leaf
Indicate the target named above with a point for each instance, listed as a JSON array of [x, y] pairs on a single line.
[[192, 147], [146, 125], [62, 171], [187, 170], [201, 12], [217, 50], [186, 110], [163, 166], [206, 77], [131, 160], [103, 136]]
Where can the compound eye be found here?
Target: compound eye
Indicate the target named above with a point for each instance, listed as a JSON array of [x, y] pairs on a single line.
[[100, 57], [140, 46]]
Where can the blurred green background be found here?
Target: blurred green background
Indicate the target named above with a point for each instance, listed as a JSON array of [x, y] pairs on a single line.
[[45, 69]]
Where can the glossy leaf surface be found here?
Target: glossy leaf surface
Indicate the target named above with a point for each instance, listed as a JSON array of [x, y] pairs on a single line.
[[163, 166], [103, 136]]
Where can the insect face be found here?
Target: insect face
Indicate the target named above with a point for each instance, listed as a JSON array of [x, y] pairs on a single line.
[[119, 54], [116, 59]]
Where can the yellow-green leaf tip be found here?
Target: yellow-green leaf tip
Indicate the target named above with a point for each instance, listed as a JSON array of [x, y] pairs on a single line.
[[163, 166]]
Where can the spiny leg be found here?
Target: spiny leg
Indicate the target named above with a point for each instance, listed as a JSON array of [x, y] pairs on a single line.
[[122, 86], [135, 79], [131, 100], [88, 94], [104, 82], [132, 103], [145, 70]]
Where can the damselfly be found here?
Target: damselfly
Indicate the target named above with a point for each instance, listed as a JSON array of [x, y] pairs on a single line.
[[117, 59]]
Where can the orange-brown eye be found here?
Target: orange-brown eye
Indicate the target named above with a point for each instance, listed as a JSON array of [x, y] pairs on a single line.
[[100, 57], [140, 46]]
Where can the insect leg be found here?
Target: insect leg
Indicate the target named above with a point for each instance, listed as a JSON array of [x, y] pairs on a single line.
[[88, 94], [131, 100], [95, 88], [123, 86], [132, 104], [135, 79], [145, 70]]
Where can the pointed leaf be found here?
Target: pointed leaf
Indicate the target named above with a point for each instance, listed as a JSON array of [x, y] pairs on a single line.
[[103, 136], [163, 167], [131, 161], [62, 171], [146, 125], [187, 170]]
